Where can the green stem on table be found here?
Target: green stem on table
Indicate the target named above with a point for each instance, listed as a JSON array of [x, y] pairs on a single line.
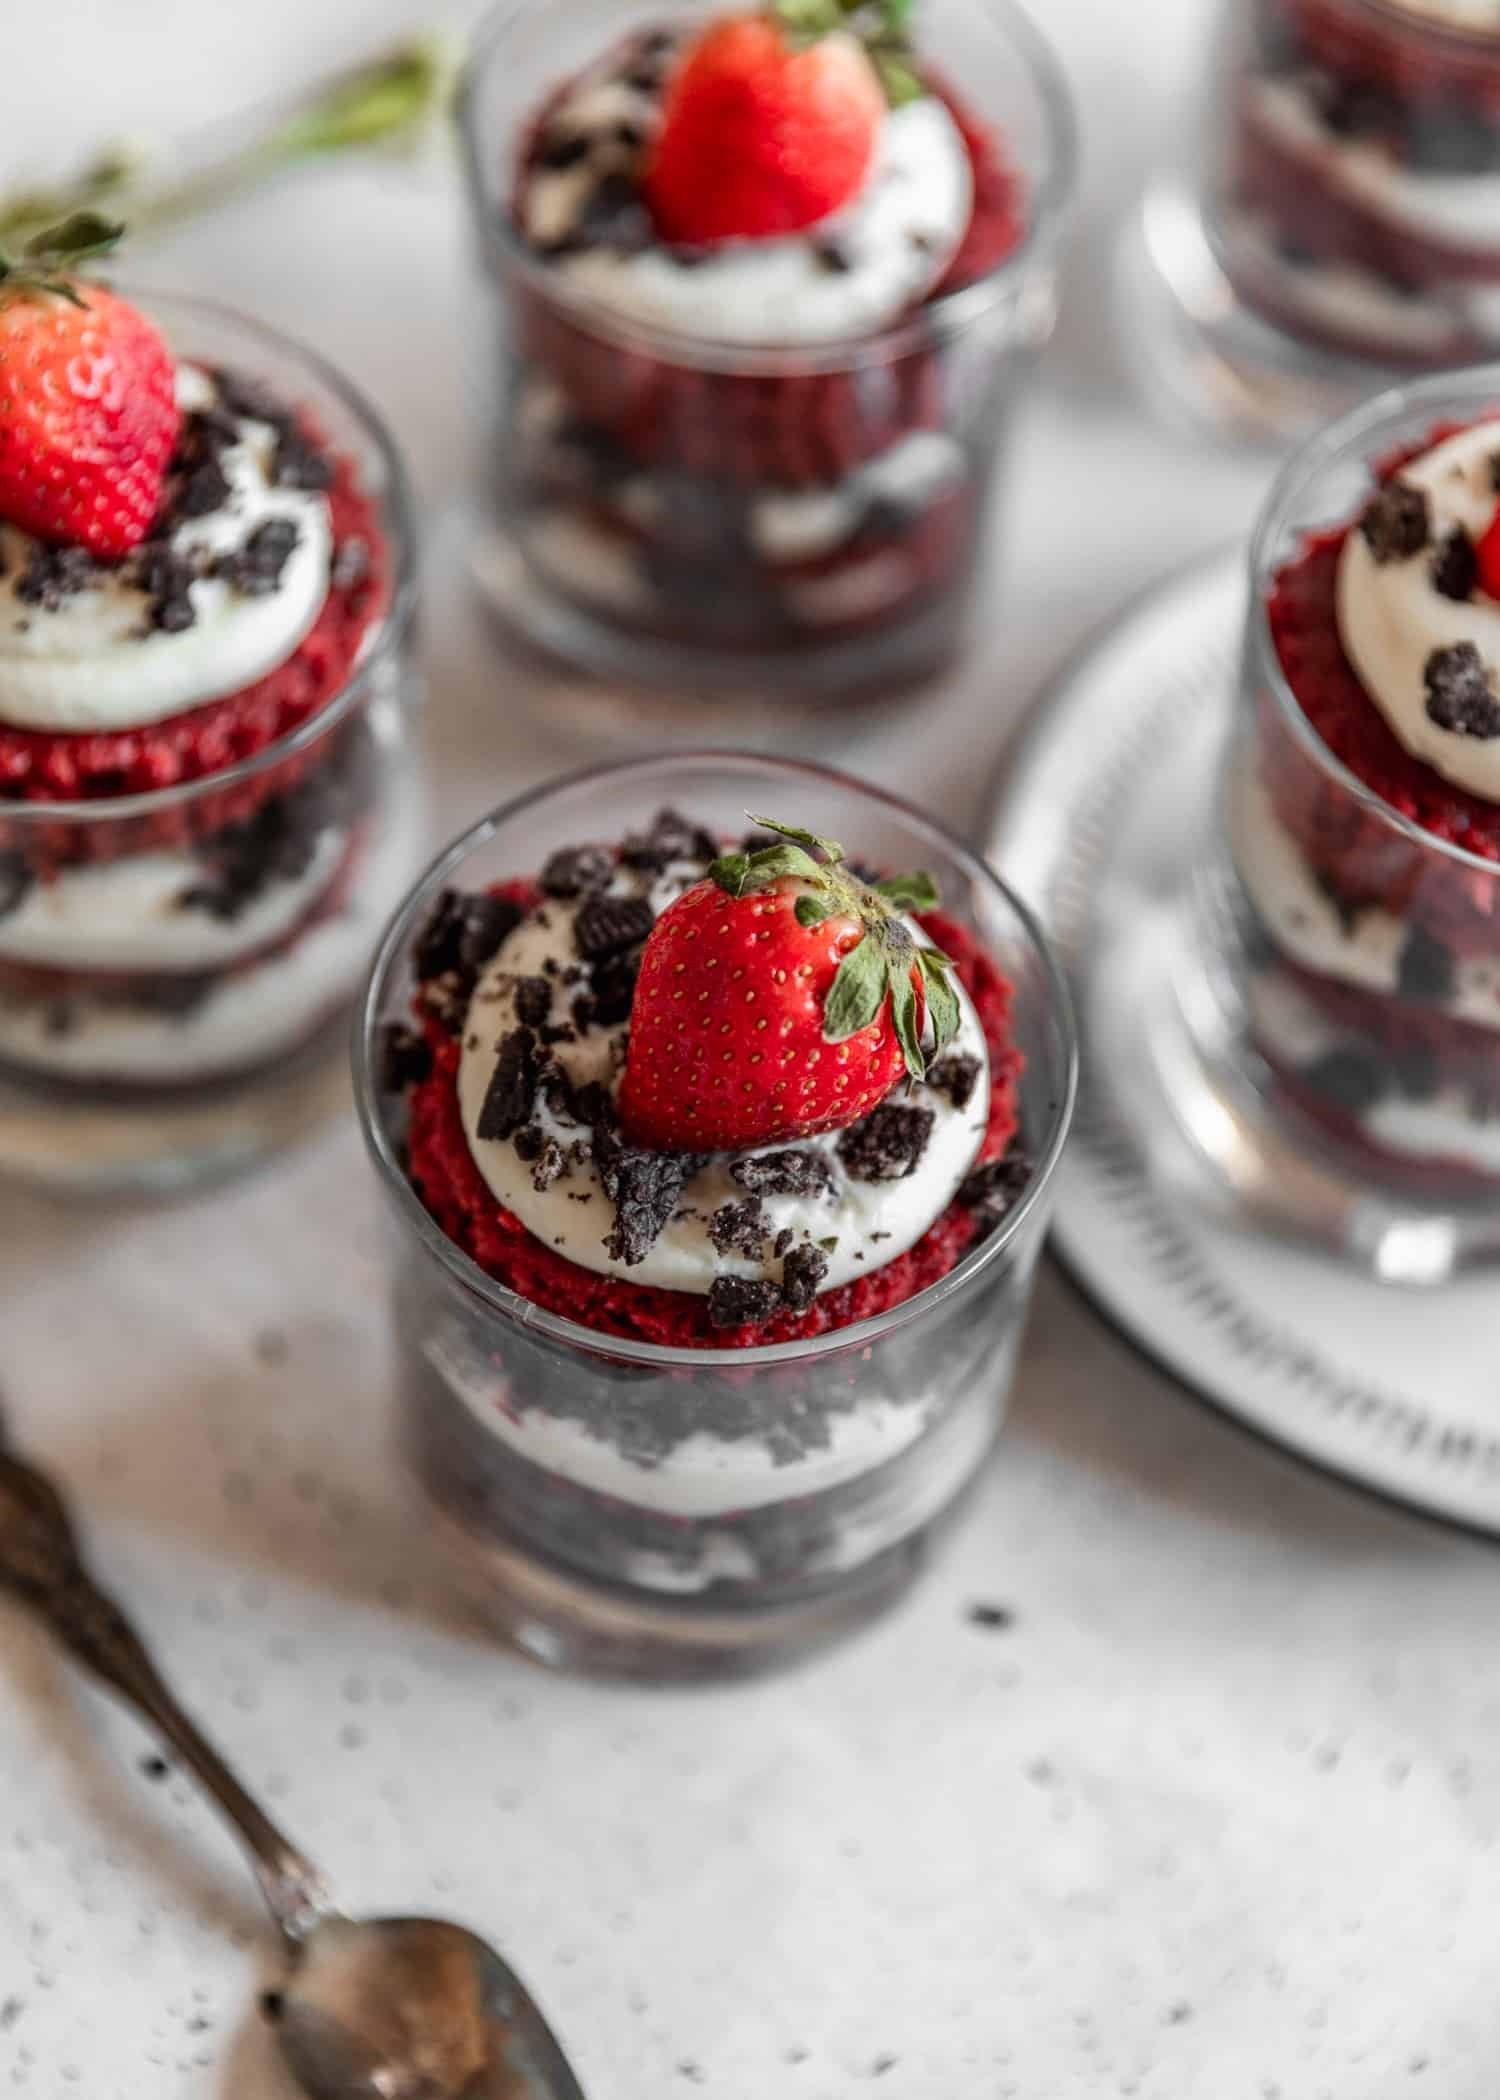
[[392, 103]]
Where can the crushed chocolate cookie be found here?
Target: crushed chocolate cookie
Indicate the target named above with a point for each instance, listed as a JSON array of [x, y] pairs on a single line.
[[554, 1032], [832, 253], [52, 575], [1426, 970], [511, 1093], [563, 150], [742, 1301], [255, 569], [167, 577], [16, 879], [1455, 566], [740, 1228], [956, 1075], [671, 837], [887, 1144], [784, 1174], [642, 1186], [249, 398], [528, 1142], [802, 1274], [297, 463], [489, 921], [1460, 697], [351, 562], [782, 1241], [202, 490], [405, 1058], [1345, 1077], [992, 1189], [1396, 524], [613, 215], [607, 926], [548, 1165], [612, 994], [574, 870], [174, 995], [277, 844], [533, 1001]]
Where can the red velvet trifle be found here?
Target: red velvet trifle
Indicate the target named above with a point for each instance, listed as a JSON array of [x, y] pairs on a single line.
[[1363, 794], [1361, 192], [205, 794], [767, 283], [720, 1165]]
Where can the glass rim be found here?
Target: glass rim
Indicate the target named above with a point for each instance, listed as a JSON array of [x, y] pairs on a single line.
[[523, 1312], [946, 315], [1356, 431], [396, 502]]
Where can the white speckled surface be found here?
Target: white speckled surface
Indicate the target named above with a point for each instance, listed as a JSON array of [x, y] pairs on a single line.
[[1217, 1815]]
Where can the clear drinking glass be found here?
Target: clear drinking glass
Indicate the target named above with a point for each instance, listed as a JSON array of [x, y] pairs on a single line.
[[1334, 220], [700, 517], [1341, 982], [653, 1510], [130, 1061]]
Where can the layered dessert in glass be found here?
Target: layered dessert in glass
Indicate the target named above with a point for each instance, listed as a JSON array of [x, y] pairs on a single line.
[[761, 288], [719, 1166], [1330, 220], [1361, 200], [1362, 798], [206, 800]]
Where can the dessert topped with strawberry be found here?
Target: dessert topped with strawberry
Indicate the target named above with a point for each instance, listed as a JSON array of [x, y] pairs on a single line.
[[709, 1096], [786, 175], [188, 572]]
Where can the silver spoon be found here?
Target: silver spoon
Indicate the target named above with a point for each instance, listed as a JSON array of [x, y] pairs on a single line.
[[378, 2009]]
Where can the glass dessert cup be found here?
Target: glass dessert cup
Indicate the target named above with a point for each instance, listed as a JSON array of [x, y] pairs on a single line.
[[1314, 1043], [177, 966], [776, 520], [654, 1510], [1334, 222]]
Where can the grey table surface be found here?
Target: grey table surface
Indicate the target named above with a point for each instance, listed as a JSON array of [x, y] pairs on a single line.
[[1216, 1814]]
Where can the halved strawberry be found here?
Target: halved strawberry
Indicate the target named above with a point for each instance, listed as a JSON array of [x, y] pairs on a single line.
[[780, 997], [762, 134], [88, 406]]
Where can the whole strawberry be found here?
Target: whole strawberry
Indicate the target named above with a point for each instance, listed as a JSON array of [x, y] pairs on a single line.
[[779, 997], [764, 132], [88, 407]]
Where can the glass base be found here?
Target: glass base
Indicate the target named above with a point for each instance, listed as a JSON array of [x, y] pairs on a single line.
[[79, 1140], [644, 685], [1218, 1132], [1201, 355], [567, 1623]]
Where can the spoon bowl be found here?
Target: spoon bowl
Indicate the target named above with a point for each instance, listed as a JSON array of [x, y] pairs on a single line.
[[412, 2009]]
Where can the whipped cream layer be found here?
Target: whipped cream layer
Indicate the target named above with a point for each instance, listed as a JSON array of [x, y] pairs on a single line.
[[856, 270], [870, 1222], [1462, 211], [1392, 619], [1365, 948], [94, 661], [141, 913]]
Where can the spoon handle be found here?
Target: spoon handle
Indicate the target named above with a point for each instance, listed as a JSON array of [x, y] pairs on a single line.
[[41, 1563]]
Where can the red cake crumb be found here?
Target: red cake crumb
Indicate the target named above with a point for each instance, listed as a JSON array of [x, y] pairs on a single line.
[[450, 1184], [40, 766]]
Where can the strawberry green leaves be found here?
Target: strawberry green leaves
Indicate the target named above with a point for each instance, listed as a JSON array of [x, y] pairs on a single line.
[[882, 26], [48, 255], [885, 963]]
